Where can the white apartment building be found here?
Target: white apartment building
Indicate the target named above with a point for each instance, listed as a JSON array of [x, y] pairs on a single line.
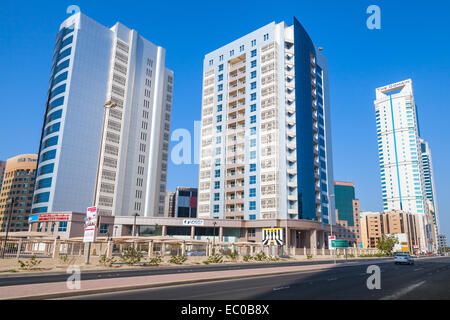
[[399, 146], [265, 136], [93, 65]]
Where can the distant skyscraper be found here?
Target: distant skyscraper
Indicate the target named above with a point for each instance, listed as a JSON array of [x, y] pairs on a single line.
[[266, 136], [430, 190], [348, 213], [18, 184], [92, 65], [399, 147]]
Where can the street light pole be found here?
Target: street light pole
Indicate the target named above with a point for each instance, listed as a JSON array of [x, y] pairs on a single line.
[[107, 105], [11, 202], [214, 238], [331, 224], [134, 225]]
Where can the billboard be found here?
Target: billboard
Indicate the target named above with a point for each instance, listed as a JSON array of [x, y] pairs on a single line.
[[90, 224], [272, 236], [49, 217], [402, 245]]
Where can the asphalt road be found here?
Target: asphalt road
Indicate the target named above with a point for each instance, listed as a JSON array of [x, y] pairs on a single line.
[[428, 278], [20, 279]]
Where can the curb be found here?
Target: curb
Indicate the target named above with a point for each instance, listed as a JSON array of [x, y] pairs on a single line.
[[177, 282]]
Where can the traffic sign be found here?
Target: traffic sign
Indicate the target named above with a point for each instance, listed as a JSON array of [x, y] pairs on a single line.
[[339, 243]]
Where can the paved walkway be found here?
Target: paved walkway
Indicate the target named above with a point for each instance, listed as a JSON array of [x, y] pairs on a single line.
[[60, 289]]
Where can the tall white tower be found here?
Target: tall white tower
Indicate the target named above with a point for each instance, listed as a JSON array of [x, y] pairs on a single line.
[[399, 149], [92, 65]]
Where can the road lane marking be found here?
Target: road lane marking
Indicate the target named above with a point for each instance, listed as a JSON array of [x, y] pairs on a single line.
[[281, 288], [418, 269], [403, 291]]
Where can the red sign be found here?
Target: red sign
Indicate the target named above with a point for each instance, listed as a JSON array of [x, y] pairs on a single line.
[[54, 217]]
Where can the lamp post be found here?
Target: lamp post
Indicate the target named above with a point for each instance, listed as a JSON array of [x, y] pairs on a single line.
[[107, 105], [11, 203], [134, 224], [214, 237], [331, 224]]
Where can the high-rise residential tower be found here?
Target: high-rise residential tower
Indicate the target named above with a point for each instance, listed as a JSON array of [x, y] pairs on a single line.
[[116, 156], [266, 137], [348, 213], [399, 147]]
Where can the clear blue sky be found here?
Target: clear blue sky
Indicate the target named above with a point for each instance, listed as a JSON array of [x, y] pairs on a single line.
[[413, 43]]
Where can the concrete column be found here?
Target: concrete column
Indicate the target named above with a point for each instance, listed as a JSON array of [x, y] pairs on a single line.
[[163, 249], [304, 251], [19, 247], [313, 242], [150, 249], [252, 250], [109, 249], [55, 253], [164, 231], [192, 232], [183, 248], [208, 252], [221, 234], [233, 248]]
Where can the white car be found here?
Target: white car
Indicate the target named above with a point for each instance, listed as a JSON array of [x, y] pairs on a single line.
[[403, 258]]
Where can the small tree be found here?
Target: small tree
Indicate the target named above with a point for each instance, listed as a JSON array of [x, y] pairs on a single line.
[[386, 243]]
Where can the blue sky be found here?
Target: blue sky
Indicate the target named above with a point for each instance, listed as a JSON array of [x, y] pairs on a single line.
[[412, 43]]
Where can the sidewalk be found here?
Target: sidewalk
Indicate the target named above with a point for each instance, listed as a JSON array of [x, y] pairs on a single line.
[[60, 290]]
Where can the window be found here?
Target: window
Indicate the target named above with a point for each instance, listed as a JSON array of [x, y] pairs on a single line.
[[217, 174], [220, 87], [103, 228], [231, 53], [253, 43], [218, 140], [62, 226], [220, 77], [253, 86], [218, 151], [219, 108], [253, 108], [219, 129], [253, 63], [216, 196], [252, 143], [219, 118], [217, 185], [221, 58], [252, 131], [253, 97], [252, 119], [252, 205], [252, 193], [219, 97], [253, 75], [252, 167], [216, 208], [253, 52], [252, 179], [241, 48], [266, 37], [211, 62], [252, 155], [221, 67]]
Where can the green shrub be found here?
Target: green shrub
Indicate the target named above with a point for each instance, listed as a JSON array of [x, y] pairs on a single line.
[[131, 256], [247, 258], [215, 258], [309, 256], [233, 256], [30, 264], [261, 256], [65, 259], [178, 259], [155, 261], [107, 261]]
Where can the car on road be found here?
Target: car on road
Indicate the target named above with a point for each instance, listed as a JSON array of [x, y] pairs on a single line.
[[403, 258]]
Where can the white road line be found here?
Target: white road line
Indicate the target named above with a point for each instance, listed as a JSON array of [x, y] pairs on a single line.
[[403, 291], [281, 288], [418, 269]]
